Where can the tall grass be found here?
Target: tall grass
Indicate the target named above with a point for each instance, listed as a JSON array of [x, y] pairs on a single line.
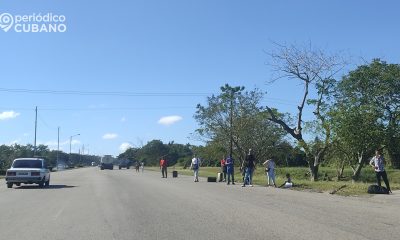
[[327, 184]]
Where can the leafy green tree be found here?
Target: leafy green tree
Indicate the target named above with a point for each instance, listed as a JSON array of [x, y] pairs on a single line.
[[151, 153], [234, 122], [375, 89], [356, 133]]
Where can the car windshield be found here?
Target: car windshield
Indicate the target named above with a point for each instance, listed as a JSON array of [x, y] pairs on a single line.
[[27, 164]]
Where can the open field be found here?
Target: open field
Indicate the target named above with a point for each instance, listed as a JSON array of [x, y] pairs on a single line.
[[299, 176]]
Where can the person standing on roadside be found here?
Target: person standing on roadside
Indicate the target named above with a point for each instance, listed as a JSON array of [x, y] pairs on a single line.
[[229, 163], [137, 165], [270, 171], [248, 167], [223, 169], [142, 166], [377, 162], [163, 167], [195, 165]]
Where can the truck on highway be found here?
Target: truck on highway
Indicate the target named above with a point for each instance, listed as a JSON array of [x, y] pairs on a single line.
[[107, 162]]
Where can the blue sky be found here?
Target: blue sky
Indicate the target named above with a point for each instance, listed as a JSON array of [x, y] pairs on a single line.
[[185, 46]]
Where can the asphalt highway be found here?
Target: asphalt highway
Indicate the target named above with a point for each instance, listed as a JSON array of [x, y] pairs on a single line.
[[121, 204]]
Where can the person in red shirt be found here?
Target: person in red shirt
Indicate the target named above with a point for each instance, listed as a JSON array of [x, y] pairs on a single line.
[[163, 167], [223, 169]]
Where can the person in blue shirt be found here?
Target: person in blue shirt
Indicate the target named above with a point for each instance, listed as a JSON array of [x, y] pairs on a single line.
[[229, 162]]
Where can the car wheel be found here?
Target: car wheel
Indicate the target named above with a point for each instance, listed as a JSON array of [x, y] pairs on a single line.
[[9, 185], [18, 184], [127, 167], [120, 168], [101, 168]]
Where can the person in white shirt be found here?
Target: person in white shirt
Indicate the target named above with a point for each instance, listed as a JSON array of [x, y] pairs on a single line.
[[377, 163], [270, 171], [142, 166], [195, 165]]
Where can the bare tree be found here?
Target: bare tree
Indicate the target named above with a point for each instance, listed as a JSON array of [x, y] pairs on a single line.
[[316, 71]]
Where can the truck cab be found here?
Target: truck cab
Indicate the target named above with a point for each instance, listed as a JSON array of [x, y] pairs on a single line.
[[107, 162]]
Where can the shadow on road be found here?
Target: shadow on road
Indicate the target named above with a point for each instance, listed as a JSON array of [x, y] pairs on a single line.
[[60, 186]]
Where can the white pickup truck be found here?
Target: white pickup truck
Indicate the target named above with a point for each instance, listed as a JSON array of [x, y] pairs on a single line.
[[28, 171]]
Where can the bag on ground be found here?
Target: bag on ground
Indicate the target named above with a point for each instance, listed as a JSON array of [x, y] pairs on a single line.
[[375, 189]]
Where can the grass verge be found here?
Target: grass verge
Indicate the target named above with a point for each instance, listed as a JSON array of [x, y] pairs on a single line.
[[327, 184]]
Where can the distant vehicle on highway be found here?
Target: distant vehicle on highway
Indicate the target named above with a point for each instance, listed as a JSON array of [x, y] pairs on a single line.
[[124, 163], [28, 171], [107, 162]]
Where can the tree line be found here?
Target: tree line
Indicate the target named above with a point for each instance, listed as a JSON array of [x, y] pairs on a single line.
[[9, 153], [210, 154]]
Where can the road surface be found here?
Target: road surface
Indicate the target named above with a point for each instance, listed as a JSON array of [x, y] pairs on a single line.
[[122, 204]]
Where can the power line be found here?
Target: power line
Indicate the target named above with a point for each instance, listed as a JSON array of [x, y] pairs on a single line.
[[90, 93], [100, 109], [125, 94]]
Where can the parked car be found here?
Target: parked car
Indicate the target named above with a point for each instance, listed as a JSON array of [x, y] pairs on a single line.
[[124, 163], [28, 171]]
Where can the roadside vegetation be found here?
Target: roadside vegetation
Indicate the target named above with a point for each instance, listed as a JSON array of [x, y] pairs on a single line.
[[328, 182]]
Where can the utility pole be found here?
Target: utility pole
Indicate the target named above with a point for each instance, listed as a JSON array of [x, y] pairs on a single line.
[[231, 126], [58, 146], [34, 146]]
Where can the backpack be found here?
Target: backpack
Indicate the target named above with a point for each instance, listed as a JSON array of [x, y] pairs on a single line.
[[375, 189], [195, 166]]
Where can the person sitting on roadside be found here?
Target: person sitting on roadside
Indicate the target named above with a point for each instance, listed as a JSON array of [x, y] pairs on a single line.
[[288, 183]]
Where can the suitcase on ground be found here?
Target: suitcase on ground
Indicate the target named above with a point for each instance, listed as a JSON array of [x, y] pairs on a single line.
[[211, 179], [375, 189], [174, 174]]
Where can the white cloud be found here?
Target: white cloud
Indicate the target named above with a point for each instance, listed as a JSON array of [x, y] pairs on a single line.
[[124, 146], [51, 143], [110, 136], [123, 119], [74, 142], [8, 115], [16, 141], [169, 120]]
